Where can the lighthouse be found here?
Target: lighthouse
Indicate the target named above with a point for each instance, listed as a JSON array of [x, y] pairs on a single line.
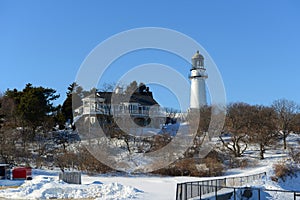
[[197, 77]]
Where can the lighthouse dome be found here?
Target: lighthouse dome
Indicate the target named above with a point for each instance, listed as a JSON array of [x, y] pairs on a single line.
[[197, 55], [198, 60]]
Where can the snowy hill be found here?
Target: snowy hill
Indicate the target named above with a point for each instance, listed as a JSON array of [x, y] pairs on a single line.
[[45, 183]]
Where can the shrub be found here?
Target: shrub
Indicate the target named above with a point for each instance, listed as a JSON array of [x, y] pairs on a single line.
[[215, 167], [80, 160], [295, 155], [244, 163], [282, 170], [209, 166], [183, 167]]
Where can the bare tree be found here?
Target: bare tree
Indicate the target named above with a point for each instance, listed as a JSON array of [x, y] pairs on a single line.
[[237, 124], [131, 88], [170, 115], [297, 123], [263, 127], [205, 119], [108, 87], [286, 114], [207, 123]]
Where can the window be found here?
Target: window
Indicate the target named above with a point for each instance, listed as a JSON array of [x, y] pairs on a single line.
[[93, 120]]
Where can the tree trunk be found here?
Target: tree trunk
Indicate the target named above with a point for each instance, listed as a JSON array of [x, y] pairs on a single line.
[[261, 147], [284, 139]]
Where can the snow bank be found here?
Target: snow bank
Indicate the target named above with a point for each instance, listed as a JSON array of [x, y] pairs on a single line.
[[42, 187], [10, 183]]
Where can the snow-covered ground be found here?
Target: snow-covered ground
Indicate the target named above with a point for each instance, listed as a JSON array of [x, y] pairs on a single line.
[[47, 186], [45, 183]]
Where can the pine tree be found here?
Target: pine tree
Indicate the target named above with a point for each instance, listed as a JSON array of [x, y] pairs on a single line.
[[34, 105], [73, 100]]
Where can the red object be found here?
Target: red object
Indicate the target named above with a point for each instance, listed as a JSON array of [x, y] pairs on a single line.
[[22, 173]]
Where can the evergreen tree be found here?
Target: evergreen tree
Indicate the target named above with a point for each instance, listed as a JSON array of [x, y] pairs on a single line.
[[59, 118], [73, 100], [8, 134], [34, 105]]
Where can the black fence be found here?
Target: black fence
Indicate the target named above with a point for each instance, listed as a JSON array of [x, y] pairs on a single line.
[[242, 180], [195, 190]]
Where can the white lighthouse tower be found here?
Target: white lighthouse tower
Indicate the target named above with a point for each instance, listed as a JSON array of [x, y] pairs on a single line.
[[198, 76]]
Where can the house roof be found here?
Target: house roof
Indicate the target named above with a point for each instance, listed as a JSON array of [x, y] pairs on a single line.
[[143, 98]]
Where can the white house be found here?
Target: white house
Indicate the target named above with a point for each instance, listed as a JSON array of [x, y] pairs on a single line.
[[141, 107]]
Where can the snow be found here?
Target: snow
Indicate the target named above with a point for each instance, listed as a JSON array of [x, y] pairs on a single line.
[[7, 183], [171, 129], [49, 187], [45, 183]]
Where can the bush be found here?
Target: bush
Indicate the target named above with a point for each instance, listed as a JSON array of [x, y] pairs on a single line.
[[188, 167], [241, 162], [215, 167], [183, 167], [282, 170], [87, 162], [81, 160], [295, 155]]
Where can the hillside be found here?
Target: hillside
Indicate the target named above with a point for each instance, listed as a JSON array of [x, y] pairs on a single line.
[[45, 183]]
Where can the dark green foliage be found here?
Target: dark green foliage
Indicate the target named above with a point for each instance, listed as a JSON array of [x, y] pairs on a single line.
[[60, 118], [73, 100], [142, 88], [33, 105], [66, 108], [7, 134]]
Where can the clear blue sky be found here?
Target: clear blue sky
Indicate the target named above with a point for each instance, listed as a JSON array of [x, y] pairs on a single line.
[[255, 44]]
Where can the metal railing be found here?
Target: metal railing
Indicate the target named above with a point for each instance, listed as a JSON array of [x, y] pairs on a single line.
[[226, 192], [194, 189], [242, 180]]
